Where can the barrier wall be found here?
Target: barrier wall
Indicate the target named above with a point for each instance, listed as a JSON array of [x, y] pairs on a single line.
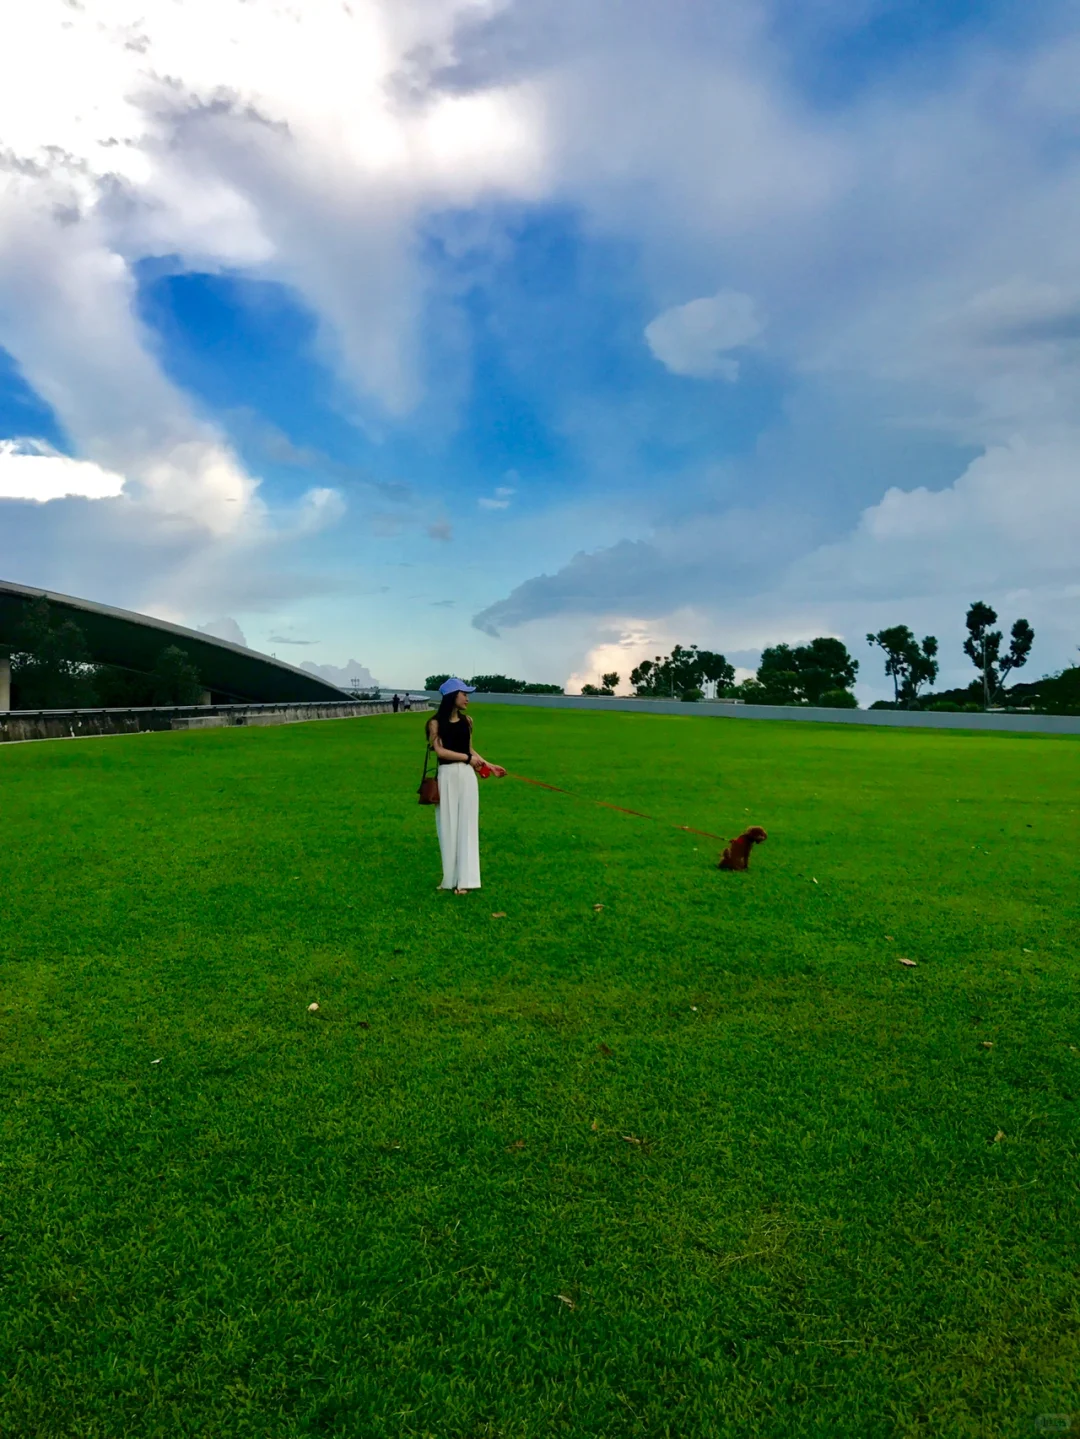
[[899, 719], [78, 724]]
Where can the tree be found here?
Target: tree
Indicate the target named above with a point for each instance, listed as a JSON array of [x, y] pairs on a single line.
[[434, 681], [803, 674], [824, 664], [50, 663], [838, 700], [923, 669], [121, 688], [174, 680], [681, 674], [909, 664], [716, 670], [537, 689], [1021, 639], [983, 648], [644, 677], [778, 676], [497, 684], [606, 686]]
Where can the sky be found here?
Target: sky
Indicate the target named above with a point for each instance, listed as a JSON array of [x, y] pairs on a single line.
[[534, 336]]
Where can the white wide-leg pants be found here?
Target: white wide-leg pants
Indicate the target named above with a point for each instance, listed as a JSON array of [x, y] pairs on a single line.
[[457, 820]]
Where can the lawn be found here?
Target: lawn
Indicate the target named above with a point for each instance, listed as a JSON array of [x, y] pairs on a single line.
[[706, 1161]]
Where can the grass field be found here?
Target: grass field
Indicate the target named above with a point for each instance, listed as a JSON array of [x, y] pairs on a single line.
[[707, 1161]]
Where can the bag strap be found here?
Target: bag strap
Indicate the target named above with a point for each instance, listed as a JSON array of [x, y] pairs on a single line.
[[429, 750]]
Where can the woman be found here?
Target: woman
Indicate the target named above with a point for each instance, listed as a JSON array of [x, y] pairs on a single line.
[[457, 816]]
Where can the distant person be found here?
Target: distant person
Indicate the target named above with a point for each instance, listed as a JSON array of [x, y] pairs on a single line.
[[396, 702], [408, 704], [457, 815]]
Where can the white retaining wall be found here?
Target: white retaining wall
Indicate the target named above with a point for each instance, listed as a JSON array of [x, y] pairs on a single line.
[[901, 719]]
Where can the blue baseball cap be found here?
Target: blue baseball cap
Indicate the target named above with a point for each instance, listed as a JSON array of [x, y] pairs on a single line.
[[451, 686]]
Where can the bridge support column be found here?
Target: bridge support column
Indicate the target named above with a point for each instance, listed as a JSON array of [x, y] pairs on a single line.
[[5, 683], [206, 698]]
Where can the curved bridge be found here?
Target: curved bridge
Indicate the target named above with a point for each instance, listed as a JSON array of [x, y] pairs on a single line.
[[119, 637]]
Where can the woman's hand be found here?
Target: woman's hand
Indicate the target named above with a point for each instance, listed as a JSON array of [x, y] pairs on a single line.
[[498, 771]]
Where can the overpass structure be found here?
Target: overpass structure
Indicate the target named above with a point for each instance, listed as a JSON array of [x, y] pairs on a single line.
[[229, 673]]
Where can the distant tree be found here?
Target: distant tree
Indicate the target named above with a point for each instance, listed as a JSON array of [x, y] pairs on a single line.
[[778, 676], [838, 700], [50, 662], [824, 664], [909, 664], [606, 686], [716, 671], [644, 677], [121, 688], [497, 684], [682, 673], [983, 645], [1021, 639], [685, 671], [983, 648], [751, 692], [174, 680], [535, 689], [923, 668], [804, 673], [434, 681]]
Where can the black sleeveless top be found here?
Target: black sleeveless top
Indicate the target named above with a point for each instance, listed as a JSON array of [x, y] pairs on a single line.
[[455, 735]]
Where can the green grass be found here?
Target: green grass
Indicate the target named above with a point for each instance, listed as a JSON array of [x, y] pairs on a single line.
[[360, 1222]]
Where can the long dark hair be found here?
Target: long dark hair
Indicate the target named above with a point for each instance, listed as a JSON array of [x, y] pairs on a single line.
[[447, 706]]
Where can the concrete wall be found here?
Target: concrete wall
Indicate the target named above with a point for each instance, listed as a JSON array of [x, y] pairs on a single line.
[[900, 719], [76, 724]]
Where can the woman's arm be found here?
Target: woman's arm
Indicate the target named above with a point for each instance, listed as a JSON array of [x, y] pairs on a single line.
[[477, 760]]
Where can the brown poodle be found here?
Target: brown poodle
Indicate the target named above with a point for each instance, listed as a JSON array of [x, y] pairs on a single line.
[[737, 854]]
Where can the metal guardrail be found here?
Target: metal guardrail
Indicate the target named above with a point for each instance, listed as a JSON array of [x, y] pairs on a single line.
[[200, 709]]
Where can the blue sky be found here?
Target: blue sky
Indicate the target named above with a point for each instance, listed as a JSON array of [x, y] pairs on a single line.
[[537, 337]]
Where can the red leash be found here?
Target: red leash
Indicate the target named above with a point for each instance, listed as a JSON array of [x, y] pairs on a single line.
[[685, 828]]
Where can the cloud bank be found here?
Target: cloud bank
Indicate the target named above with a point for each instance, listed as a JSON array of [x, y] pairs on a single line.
[[910, 240]]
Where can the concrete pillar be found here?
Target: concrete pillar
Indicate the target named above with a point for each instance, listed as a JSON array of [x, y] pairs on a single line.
[[206, 698], [5, 683]]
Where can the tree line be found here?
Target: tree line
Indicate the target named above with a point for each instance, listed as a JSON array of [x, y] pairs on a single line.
[[819, 673], [823, 672], [497, 685], [51, 669]]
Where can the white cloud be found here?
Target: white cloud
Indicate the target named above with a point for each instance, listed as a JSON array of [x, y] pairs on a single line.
[[352, 675], [691, 339], [499, 501], [306, 145], [227, 135], [30, 470], [225, 628], [1011, 520]]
